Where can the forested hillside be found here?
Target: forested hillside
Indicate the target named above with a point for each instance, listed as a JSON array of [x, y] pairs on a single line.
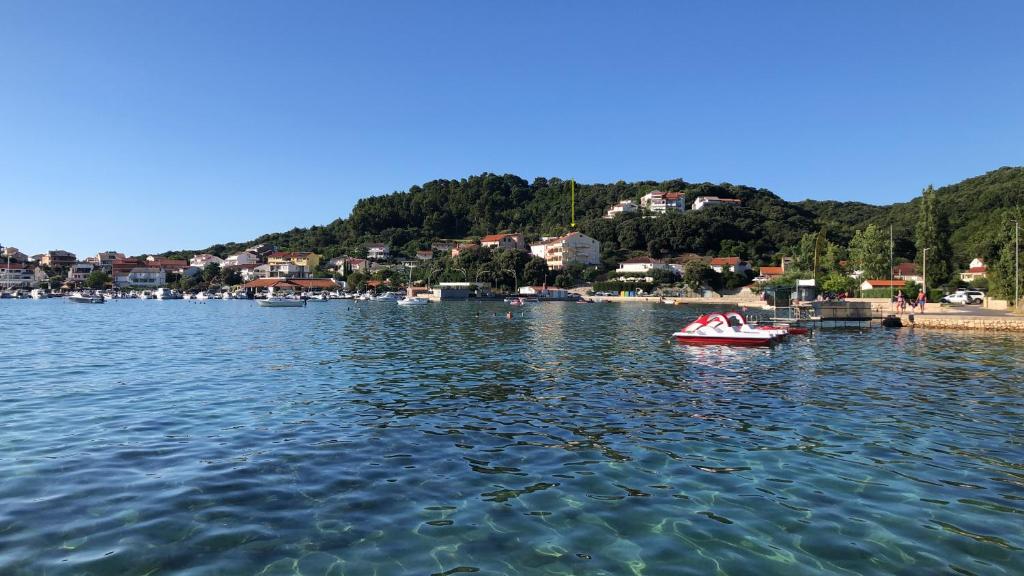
[[970, 218]]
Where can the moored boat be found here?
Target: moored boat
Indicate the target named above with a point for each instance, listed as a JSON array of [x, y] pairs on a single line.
[[407, 301], [82, 298], [726, 329]]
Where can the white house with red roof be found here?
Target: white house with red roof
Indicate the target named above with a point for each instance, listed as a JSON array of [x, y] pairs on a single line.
[[504, 241], [660, 202], [906, 271], [201, 260], [976, 270], [730, 263], [768, 273]]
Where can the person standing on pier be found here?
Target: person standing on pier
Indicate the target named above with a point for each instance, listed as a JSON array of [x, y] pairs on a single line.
[[921, 299]]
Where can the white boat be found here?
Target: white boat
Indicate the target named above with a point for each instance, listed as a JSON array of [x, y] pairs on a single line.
[[225, 295], [239, 295], [281, 302], [729, 329], [145, 295], [39, 294], [81, 298], [387, 297], [413, 301], [167, 294]]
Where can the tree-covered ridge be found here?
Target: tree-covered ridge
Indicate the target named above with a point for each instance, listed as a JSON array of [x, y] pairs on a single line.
[[968, 216]]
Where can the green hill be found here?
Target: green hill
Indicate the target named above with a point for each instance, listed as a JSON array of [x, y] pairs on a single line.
[[761, 229]]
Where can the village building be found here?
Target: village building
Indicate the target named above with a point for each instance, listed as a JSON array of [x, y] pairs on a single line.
[[424, 254], [12, 254], [660, 202], [544, 292], [140, 276], [78, 272], [874, 284], [241, 259], [906, 271], [378, 251], [292, 264], [730, 263], [463, 248], [976, 270], [769, 273], [59, 259], [202, 260], [622, 207], [504, 242], [702, 201], [628, 269], [573, 248], [18, 275]]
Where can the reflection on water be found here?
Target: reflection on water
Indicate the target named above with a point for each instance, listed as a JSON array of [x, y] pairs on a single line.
[[364, 438]]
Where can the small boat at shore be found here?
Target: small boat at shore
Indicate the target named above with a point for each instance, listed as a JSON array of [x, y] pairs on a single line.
[[413, 301], [729, 329], [515, 301], [80, 298]]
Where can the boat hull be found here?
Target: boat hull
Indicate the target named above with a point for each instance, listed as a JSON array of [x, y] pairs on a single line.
[[722, 340], [85, 300], [280, 303]]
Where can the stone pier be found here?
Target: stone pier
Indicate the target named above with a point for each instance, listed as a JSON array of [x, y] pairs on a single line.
[[952, 322]]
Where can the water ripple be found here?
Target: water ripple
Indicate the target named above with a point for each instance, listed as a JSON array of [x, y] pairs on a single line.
[[361, 438]]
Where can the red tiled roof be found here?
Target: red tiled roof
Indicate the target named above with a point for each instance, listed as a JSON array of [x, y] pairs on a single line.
[[886, 283], [641, 260], [725, 260], [905, 269], [12, 266], [978, 269], [494, 237], [771, 270], [291, 282]]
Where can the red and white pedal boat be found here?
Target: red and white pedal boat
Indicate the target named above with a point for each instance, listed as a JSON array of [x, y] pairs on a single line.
[[728, 329]]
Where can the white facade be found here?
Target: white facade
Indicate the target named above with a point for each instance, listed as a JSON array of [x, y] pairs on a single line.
[[544, 291], [378, 251], [731, 263], [141, 277], [660, 202], [702, 201], [17, 276], [261, 271], [79, 272], [201, 260], [241, 259], [623, 207], [573, 248]]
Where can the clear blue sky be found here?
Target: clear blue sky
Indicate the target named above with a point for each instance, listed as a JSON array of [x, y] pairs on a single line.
[[148, 126]]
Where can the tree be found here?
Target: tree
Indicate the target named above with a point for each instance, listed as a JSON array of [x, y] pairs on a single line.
[[696, 274], [231, 276], [869, 251], [836, 283], [97, 280], [211, 271], [355, 280], [932, 233], [1001, 272]]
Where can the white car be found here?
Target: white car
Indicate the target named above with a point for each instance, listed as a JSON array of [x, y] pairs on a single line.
[[964, 297]]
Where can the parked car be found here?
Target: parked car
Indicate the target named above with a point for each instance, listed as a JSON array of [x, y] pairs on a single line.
[[964, 297]]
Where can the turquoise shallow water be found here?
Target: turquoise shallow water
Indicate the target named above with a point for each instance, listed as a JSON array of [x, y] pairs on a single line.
[[343, 438]]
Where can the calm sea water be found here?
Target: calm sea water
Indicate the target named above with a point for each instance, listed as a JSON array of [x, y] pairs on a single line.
[[364, 438]]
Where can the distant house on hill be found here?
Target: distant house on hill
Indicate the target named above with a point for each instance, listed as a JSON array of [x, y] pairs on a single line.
[[378, 251], [702, 201], [201, 260], [463, 248], [504, 241], [424, 254], [622, 207], [976, 270], [660, 202]]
